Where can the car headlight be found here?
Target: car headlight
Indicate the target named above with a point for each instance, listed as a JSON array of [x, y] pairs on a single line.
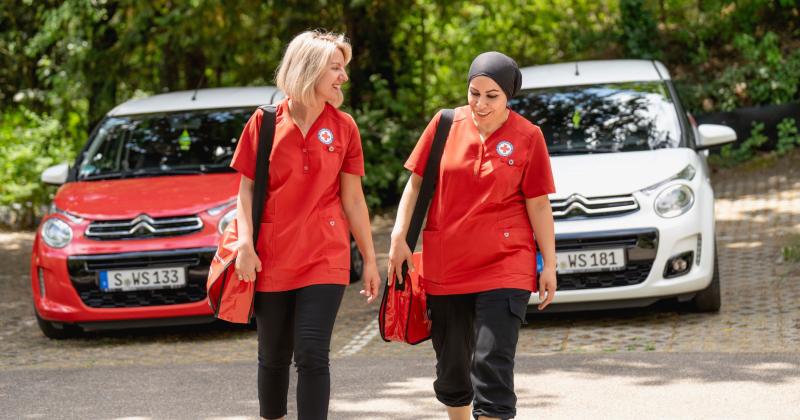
[[225, 220], [674, 201], [56, 233], [686, 174]]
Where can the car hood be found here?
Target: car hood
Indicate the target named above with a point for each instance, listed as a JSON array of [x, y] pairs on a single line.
[[155, 196], [605, 174]]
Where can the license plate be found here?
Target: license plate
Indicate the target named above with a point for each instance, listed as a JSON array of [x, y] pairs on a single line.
[[591, 260], [142, 279]]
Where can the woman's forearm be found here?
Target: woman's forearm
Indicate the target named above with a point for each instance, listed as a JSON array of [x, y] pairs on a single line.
[[406, 207], [355, 209], [244, 210], [541, 216]]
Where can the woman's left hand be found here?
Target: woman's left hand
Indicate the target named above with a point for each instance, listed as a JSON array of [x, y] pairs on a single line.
[[371, 280], [547, 285]]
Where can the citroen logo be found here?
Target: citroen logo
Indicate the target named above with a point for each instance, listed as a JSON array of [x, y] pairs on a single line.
[[575, 204], [143, 223]]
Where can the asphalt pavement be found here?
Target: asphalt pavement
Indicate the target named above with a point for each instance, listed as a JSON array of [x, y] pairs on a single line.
[[554, 386]]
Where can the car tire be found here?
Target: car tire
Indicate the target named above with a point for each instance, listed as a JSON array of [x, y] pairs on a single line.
[[60, 332], [356, 263], [709, 299]]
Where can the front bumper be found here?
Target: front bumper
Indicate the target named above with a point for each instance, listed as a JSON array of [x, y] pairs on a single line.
[[693, 231], [65, 287]]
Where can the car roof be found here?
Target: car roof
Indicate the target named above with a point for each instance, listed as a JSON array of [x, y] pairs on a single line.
[[593, 72], [214, 98]]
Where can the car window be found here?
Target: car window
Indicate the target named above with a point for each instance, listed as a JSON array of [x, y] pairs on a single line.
[[612, 117], [172, 143]]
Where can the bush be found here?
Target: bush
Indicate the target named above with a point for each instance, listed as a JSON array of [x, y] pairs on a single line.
[[763, 75], [388, 135], [788, 137], [29, 144], [731, 155]]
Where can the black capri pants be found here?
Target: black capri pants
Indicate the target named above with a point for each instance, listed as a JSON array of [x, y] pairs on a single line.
[[475, 339], [298, 322]]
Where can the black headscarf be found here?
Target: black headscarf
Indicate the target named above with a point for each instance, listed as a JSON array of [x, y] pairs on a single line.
[[500, 68]]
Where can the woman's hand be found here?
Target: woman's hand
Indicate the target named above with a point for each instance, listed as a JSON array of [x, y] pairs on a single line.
[[247, 263], [371, 280], [547, 285], [399, 253]]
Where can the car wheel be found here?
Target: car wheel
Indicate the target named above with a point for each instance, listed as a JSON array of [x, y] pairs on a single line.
[[709, 299], [356, 263], [57, 331]]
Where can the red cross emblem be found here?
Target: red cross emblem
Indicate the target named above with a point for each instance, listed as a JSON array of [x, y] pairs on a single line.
[[325, 136], [505, 148]]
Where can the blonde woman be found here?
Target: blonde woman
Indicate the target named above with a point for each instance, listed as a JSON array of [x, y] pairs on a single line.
[[314, 201]]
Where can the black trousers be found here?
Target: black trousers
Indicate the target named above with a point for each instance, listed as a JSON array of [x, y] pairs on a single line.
[[475, 339], [301, 322]]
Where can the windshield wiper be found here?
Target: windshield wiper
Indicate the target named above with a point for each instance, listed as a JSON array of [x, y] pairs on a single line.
[[94, 177], [582, 151], [159, 171], [140, 173]]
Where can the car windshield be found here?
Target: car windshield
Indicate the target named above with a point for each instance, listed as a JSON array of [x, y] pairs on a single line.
[[176, 143], [602, 118]]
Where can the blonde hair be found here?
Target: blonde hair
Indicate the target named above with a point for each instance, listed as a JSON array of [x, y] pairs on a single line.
[[304, 61]]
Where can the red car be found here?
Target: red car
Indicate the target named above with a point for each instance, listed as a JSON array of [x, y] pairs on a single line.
[[137, 219]]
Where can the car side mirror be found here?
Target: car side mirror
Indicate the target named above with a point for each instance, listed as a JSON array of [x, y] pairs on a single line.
[[712, 135], [56, 175]]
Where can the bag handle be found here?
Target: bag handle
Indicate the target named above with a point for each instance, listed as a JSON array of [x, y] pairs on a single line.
[[429, 180], [266, 137]]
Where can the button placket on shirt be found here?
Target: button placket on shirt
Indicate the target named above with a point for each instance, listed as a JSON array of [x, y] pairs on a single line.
[[479, 159], [305, 158]]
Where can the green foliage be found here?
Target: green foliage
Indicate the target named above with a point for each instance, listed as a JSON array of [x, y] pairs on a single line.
[[788, 137], [639, 30], [29, 143], [731, 155], [65, 63], [764, 75], [386, 144], [791, 251]]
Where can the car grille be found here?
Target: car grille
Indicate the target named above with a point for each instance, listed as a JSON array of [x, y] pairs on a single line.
[[143, 227], [640, 249], [83, 272], [578, 206]]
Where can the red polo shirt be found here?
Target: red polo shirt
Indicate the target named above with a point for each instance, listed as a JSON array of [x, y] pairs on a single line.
[[304, 237], [478, 236]]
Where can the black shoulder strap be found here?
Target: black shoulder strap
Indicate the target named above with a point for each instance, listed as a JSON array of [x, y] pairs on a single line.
[[429, 179], [266, 136]]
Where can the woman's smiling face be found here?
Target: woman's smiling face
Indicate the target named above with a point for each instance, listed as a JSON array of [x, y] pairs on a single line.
[[329, 84], [486, 100]]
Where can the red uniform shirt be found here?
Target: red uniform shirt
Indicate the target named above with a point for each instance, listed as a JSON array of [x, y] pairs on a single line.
[[478, 235], [304, 237]]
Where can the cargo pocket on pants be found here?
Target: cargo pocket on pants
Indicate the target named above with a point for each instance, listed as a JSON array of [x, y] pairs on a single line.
[[518, 308]]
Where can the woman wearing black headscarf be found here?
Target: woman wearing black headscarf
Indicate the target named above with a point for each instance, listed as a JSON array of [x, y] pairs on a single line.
[[479, 259]]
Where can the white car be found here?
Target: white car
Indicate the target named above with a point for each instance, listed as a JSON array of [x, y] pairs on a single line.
[[634, 206]]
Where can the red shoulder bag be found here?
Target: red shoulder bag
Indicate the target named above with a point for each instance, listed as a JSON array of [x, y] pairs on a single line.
[[403, 314], [231, 299]]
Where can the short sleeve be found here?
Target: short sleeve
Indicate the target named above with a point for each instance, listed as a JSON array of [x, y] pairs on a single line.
[[244, 158], [354, 155], [418, 159], [538, 177]]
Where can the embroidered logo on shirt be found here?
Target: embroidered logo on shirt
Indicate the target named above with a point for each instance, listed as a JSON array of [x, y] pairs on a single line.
[[325, 136], [505, 148]]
